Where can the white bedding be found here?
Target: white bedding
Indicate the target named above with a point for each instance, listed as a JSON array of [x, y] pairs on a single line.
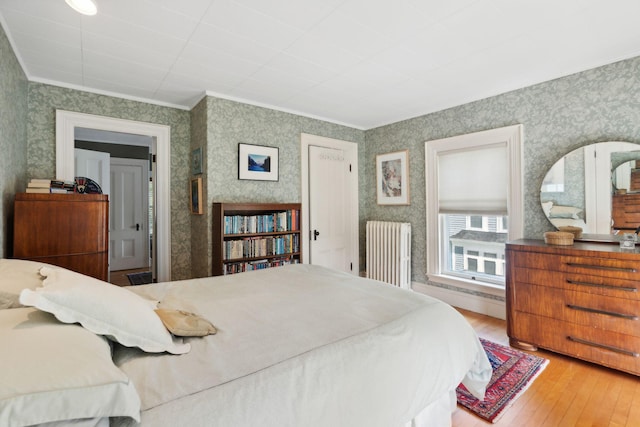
[[304, 346]]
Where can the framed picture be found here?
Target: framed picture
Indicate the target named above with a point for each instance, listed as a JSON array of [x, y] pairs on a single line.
[[196, 161], [257, 162], [196, 196], [392, 178]]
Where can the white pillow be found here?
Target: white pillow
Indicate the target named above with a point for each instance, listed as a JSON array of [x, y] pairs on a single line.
[[52, 371], [16, 275], [104, 309]]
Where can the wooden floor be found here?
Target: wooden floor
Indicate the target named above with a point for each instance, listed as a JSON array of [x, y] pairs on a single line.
[[568, 393]]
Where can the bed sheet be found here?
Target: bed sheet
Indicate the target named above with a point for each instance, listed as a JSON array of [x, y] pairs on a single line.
[[304, 345]]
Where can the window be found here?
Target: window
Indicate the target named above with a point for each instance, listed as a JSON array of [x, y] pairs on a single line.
[[474, 205], [476, 222]]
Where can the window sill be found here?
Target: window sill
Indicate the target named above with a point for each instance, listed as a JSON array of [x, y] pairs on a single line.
[[472, 285]]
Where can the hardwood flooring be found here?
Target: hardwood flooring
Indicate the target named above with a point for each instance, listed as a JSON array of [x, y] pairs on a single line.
[[569, 392]]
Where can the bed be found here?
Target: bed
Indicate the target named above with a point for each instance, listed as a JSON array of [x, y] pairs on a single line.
[[298, 345]]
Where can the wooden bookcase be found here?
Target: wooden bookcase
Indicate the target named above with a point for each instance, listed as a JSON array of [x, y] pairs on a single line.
[[68, 230], [249, 236]]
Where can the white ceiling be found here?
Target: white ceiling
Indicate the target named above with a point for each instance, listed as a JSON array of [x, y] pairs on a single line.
[[363, 63]]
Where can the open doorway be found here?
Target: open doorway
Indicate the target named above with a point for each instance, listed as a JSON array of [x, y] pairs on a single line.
[[66, 124], [122, 165]]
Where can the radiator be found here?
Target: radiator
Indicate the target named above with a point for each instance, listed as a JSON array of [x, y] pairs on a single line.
[[389, 252]]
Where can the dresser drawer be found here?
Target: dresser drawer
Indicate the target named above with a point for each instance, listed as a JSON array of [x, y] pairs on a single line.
[[612, 349], [603, 313], [592, 266], [597, 285]]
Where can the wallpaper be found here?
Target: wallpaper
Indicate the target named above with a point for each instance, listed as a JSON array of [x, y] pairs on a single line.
[[200, 246], [43, 102], [13, 138], [230, 123], [601, 104]]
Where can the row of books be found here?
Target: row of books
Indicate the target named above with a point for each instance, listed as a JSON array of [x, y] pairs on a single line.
[[263, 246], [39, 185], [240, 267], [274, 222]]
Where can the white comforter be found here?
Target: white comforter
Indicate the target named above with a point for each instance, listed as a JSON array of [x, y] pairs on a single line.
[[304, 346]]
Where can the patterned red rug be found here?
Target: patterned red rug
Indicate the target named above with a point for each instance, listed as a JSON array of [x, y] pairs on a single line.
[[513, 372]]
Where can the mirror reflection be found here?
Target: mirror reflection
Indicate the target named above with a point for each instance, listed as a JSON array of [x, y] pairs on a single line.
[[596, 188]]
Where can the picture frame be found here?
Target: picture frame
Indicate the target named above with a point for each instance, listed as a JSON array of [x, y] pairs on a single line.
[[196, 161], [392, 178], [258, 162], [196, 196]]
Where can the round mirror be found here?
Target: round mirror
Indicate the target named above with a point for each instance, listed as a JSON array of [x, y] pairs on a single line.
[[592, 188]]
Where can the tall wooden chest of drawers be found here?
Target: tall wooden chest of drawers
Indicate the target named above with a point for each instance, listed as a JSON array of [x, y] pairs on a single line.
[[581, 300], [68, 230]]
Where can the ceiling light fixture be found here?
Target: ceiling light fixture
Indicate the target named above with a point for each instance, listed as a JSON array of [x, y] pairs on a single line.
[[85, 7]]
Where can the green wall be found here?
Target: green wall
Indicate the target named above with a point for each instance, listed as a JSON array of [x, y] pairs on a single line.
[[43, 102], [13, 138], [602, 104], [558, 116], [229, 123]]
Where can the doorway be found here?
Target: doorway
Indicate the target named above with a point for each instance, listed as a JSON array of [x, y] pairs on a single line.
[[66, 124], [330, 203]]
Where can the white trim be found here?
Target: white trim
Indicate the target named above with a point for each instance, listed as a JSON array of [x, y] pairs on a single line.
[[512, 136], [475, 303], [67, 121], [351, 152]]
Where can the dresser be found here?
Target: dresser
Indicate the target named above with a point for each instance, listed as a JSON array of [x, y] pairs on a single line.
[[581, 300], [625, 211], [68, 230]]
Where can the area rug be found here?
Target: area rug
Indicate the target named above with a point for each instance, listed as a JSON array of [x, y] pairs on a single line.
[[140, 278], [513, 372]]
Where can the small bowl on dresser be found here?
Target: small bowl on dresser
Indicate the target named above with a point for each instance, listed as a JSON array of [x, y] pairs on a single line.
[[560, 238]]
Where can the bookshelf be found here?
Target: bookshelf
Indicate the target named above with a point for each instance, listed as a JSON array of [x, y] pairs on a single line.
[[251, 236]]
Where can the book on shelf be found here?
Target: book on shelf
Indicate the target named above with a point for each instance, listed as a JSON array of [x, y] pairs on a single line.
[[66, 185], [39, 183], [60, 191], [269, 223]]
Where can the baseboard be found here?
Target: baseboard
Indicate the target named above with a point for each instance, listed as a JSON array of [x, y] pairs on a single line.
[[475, 303]]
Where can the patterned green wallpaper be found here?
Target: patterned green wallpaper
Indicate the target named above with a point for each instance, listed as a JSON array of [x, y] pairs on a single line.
[[230, 123], [200, 224], [602, 104], [43, 102], [13, 138]]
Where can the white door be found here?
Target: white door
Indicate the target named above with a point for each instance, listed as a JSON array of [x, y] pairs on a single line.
[[94, 165], [128, 214], [330, 209]]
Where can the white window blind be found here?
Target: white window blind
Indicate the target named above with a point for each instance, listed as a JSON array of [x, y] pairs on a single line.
[[474, 180]]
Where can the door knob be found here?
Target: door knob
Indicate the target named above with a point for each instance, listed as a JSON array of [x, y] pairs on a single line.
[[137, 227], [316, 233]]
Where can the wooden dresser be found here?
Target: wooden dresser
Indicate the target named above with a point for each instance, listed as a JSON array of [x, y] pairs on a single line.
[[581, 300], [68, 230], [625, 211]]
